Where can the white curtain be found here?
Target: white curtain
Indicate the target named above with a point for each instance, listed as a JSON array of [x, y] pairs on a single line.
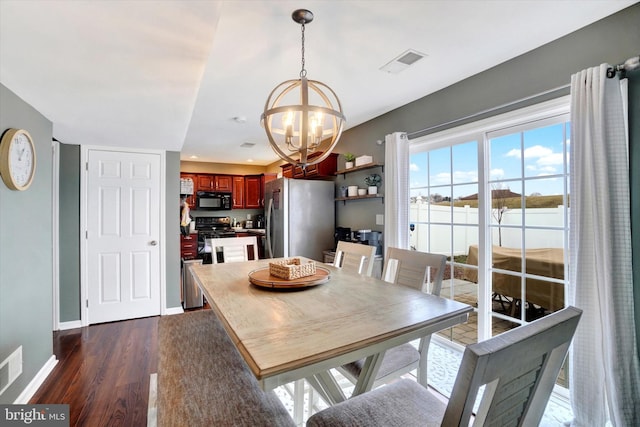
[[396, 190], [605, 372]]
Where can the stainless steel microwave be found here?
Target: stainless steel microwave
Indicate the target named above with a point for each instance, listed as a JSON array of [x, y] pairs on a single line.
[[213, 200]]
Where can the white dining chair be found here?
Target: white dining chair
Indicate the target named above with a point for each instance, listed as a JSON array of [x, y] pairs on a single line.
[[233, 249], [518, 370], [418, 270], [355, 257]]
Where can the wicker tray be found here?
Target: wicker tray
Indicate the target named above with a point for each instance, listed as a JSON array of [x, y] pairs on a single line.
[[263, 278], [292, 268]]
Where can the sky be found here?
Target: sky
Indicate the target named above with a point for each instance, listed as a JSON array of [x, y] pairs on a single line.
[[532, 159]]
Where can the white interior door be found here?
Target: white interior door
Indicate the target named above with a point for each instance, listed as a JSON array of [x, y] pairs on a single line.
[[123, 230]]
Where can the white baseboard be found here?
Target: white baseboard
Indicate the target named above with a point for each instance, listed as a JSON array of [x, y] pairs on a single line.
[[37, 381], [63, 326], [173, 310]]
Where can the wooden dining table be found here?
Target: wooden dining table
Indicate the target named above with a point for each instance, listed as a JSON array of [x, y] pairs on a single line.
[[287, 335]]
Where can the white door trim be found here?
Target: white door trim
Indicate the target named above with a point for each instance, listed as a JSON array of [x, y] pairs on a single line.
[[84, 285]]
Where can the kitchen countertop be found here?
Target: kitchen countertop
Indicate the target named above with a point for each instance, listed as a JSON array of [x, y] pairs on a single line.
[[249, 230], [239, 230]]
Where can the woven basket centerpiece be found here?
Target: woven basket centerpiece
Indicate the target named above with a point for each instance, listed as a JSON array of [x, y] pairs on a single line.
[[291, 268]]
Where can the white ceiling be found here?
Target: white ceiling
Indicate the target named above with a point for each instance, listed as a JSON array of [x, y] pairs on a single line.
[[173, 74]]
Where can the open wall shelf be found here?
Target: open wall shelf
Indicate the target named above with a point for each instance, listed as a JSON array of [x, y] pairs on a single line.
[[366, 196], [343, 172]]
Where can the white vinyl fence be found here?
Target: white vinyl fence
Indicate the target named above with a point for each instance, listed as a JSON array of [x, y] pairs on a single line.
[[452, 231]]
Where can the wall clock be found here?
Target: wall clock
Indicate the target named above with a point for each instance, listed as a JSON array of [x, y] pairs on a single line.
[[17, 159]]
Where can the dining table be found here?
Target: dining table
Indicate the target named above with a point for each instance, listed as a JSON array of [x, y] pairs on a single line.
[[300, 332]]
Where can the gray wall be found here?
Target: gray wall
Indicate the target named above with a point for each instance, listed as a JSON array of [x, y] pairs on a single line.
[[25, 251], [69, 223], [70, 235], [173, 228], [611, 40]]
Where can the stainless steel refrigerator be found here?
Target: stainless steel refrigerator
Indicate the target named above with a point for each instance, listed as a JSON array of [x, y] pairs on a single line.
[[300, 218]]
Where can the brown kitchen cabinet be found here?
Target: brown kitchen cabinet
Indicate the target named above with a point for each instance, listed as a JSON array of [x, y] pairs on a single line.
[[210, 182], [247, 191], [189, 246], [238, 192], [266, 177], [205, 183], [287, 170], [223, 182], [254, 190], [298, 172], [325, 169]]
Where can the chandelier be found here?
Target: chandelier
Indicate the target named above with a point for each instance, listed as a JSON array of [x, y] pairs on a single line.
[[302, 117]]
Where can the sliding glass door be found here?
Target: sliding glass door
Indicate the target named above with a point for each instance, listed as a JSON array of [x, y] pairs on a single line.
[[493, 197], [441, 222]]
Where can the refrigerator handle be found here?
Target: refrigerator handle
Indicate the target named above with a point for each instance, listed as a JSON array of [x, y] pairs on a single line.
[[268, 230]]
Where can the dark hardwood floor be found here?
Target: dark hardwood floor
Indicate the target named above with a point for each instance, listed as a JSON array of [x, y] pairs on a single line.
[[103, 372]]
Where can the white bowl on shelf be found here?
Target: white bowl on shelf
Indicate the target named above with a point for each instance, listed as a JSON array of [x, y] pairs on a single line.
[[362, 191]]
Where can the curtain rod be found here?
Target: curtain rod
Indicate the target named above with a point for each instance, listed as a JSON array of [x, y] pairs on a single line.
[[628, 65], [559, 91]]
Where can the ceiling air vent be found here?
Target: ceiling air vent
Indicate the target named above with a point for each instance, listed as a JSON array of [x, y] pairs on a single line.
[[403, 61], [247, 144]]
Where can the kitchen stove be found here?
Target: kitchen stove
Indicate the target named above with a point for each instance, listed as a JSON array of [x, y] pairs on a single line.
[[211, 227], [217, 226]]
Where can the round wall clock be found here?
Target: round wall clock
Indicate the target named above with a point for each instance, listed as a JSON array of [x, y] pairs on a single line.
[[17, 159]]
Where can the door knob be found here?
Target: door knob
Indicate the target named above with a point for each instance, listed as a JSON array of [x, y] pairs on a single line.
[[153, 243]]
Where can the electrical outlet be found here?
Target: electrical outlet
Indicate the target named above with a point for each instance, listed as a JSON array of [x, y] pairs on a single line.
[[379, 219]]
